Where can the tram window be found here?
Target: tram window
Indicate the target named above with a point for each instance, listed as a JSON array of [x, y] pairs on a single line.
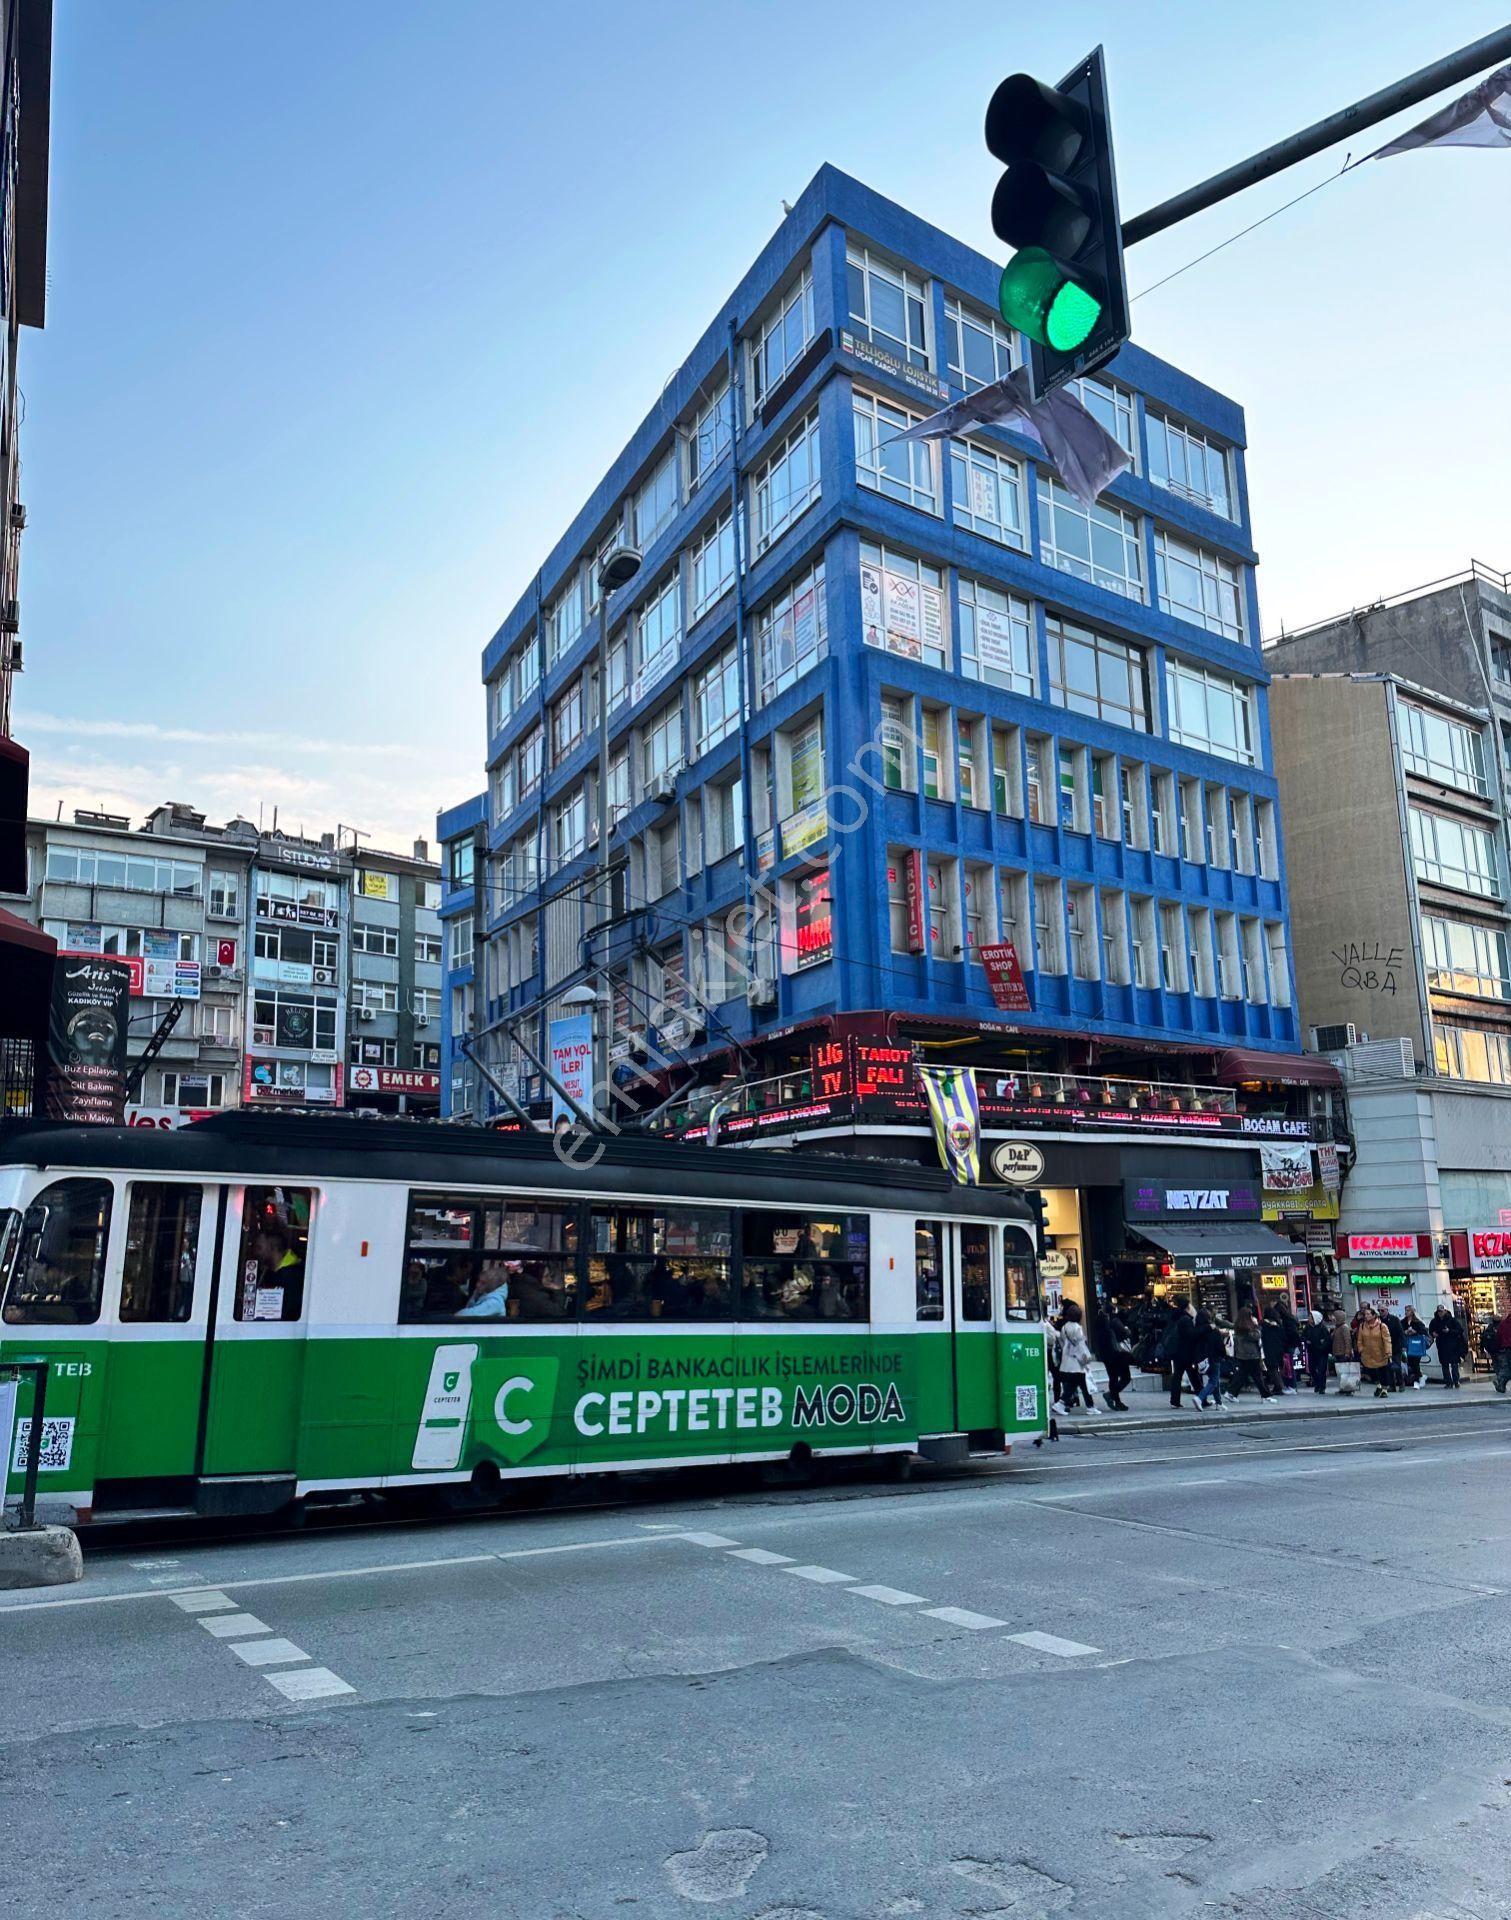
[[1020, 1290], [475, 1259], [928, 1268], [975, 1273], [660, 1263], [57, 1262], [162, 1237], [801, 1266], [275, 1239]]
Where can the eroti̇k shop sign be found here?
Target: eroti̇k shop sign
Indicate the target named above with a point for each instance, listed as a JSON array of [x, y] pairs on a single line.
[[86, 1040]]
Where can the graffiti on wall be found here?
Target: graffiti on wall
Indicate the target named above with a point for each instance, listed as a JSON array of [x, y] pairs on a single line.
[[1369, 967]]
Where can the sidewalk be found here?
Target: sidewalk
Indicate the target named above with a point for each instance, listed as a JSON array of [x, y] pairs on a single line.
[[1150, 1410]]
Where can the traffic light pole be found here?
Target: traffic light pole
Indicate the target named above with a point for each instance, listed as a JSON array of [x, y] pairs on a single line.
[[1463, 65]]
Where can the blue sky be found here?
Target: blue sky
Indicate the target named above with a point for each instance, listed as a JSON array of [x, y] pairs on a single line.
[[352, 303]]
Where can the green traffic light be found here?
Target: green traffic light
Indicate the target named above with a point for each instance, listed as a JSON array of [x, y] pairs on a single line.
[[1038, 296]]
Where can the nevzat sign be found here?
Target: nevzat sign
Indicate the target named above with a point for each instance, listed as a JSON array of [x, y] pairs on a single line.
[[1490, 1250]]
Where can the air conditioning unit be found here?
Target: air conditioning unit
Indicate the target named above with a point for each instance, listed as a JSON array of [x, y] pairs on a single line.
[[664, 792], [761, 993], [366, 1013], [210, 970], [17, 515], [10, 616], [1334, 1039], [422, 1019]]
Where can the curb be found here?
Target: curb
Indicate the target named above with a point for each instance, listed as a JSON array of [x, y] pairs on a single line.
[[1108, 1423], [40, 1557]]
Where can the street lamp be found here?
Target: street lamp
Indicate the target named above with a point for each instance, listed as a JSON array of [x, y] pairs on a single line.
[[617, 569]]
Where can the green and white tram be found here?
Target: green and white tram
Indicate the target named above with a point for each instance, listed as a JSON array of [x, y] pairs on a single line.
[[260, 1309]]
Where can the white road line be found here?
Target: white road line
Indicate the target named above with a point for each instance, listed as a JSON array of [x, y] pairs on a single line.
[[823, 1576], [761, 1556], [203, 1600], [1224, 1481], [708, 1540], [268, 1653], [963, 1617], [1052, 1643], [571, 1546], [146, 1566], [232, 1626], [890, 1596], [1417, 1438], [1087, 1493], [308, 1683]]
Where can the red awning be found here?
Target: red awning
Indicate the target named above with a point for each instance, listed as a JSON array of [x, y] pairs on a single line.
[[16, 932], [1279, 1069]]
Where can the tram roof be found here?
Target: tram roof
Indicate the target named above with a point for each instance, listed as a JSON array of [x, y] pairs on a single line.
[[424, 1153]]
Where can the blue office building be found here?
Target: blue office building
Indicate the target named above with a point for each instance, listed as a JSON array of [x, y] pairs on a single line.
[[876, 707], [461, 832]]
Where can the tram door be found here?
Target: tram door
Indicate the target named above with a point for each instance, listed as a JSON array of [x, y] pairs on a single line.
[[256, 1349], [969, 1263]]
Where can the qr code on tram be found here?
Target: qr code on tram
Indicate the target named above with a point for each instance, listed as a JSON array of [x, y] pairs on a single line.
[[57, 1445], [1028, 1403]]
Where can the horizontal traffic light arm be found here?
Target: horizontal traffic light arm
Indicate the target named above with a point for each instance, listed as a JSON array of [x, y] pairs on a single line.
[[1463, 65]]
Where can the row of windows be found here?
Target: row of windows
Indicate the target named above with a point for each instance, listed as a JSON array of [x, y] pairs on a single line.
[[1470, 1053], [1463, 958], [1085, 931], [132, 873], [424, 1055], [1452, 853], [1442, 749], [945, 754], [1101, 544]]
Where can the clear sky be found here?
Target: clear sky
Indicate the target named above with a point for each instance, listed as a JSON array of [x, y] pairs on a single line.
[[353, 302]]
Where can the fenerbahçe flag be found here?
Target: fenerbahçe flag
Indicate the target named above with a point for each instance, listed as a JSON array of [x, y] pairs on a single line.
[[956, 1113]]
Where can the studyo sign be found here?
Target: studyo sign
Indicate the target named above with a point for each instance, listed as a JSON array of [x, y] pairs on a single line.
[[1384, 1246], [1490, 1250]]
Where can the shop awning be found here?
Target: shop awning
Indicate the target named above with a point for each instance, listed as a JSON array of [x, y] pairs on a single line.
[[16, 932], [1279, 1069], [1221, 1243]]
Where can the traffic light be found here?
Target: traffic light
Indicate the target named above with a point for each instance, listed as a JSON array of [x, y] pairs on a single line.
[[1040, 1208], [1057, 204]]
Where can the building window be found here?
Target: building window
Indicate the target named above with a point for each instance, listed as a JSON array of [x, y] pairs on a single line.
[[1036, 762], [1242, 832], [723, 819], [1229, 961], [461, 858], [427, 949], [1280, 966], [1210, 711], [1462, 958], [531, 759], [1133, 795], [1193, 845], [902, 605], [193, 1090], [933, 762], [987, 493], [812, 921], [1467, 1053], [1196, 584], [887, 306], [780, 339], [1269, 853], [368, 996], [895, 736], [223, 895], [1098, 544], [567, 720], [1173, 950], [1014, 886], [1188, 464], [1093, 674], [1453, 854], [708, 436], [898, 918], [619, 785], [299, 1020], [1500, 659], [1007, 771], [1199, 951], [792, 632], [658, 636], [972, 740], [383, 941], [1081, 917], [1442, 749], [978, 350], [996, 637], [529, 671], [500, 697], [979, 899], [217, 1024], [1112, 406], [1115, 939], [656, 503], [128, 873], [564, 620], [569, 826], [619, 668], [786, 484], [1145, 945], [661, 748], [901, 469], [713, 565], [1253, 962], [1075, 815], [1049, 927], [716, 700], [945, 942], [1105, 814], [1219, 834], [461, 941]]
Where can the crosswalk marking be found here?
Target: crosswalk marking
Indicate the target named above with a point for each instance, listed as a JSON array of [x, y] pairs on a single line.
[[823, 1576], [229, 1626], [268, 1653], [963, 1617], [890, 1596], [207, 1600], [308, 1683], [709, 1540], [1052, 1643], [761, 1557]]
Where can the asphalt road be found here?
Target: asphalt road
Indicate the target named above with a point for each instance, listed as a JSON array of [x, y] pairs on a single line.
[[1263, 1672]]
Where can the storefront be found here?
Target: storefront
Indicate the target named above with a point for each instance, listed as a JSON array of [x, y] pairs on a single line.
[[1394, 1268], [1479, 1272], [1213, 1246]]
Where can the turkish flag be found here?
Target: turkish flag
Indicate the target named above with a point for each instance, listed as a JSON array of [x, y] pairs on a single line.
[[225, 953]]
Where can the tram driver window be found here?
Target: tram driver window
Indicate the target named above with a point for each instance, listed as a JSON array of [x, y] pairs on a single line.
[[54, 1262], [1020, 1290], [928, 1268], [275, 1239], [660, 1263], [801, 1266], [480, 1259], [162, 1237], [975, 1273]]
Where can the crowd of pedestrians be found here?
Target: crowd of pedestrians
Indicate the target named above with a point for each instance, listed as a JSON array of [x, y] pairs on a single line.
[[1204, 1361]]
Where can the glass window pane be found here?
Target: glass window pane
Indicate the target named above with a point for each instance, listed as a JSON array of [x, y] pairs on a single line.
[[275, 1233], [57, 1260], [805, 1267], [162, 1238]]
